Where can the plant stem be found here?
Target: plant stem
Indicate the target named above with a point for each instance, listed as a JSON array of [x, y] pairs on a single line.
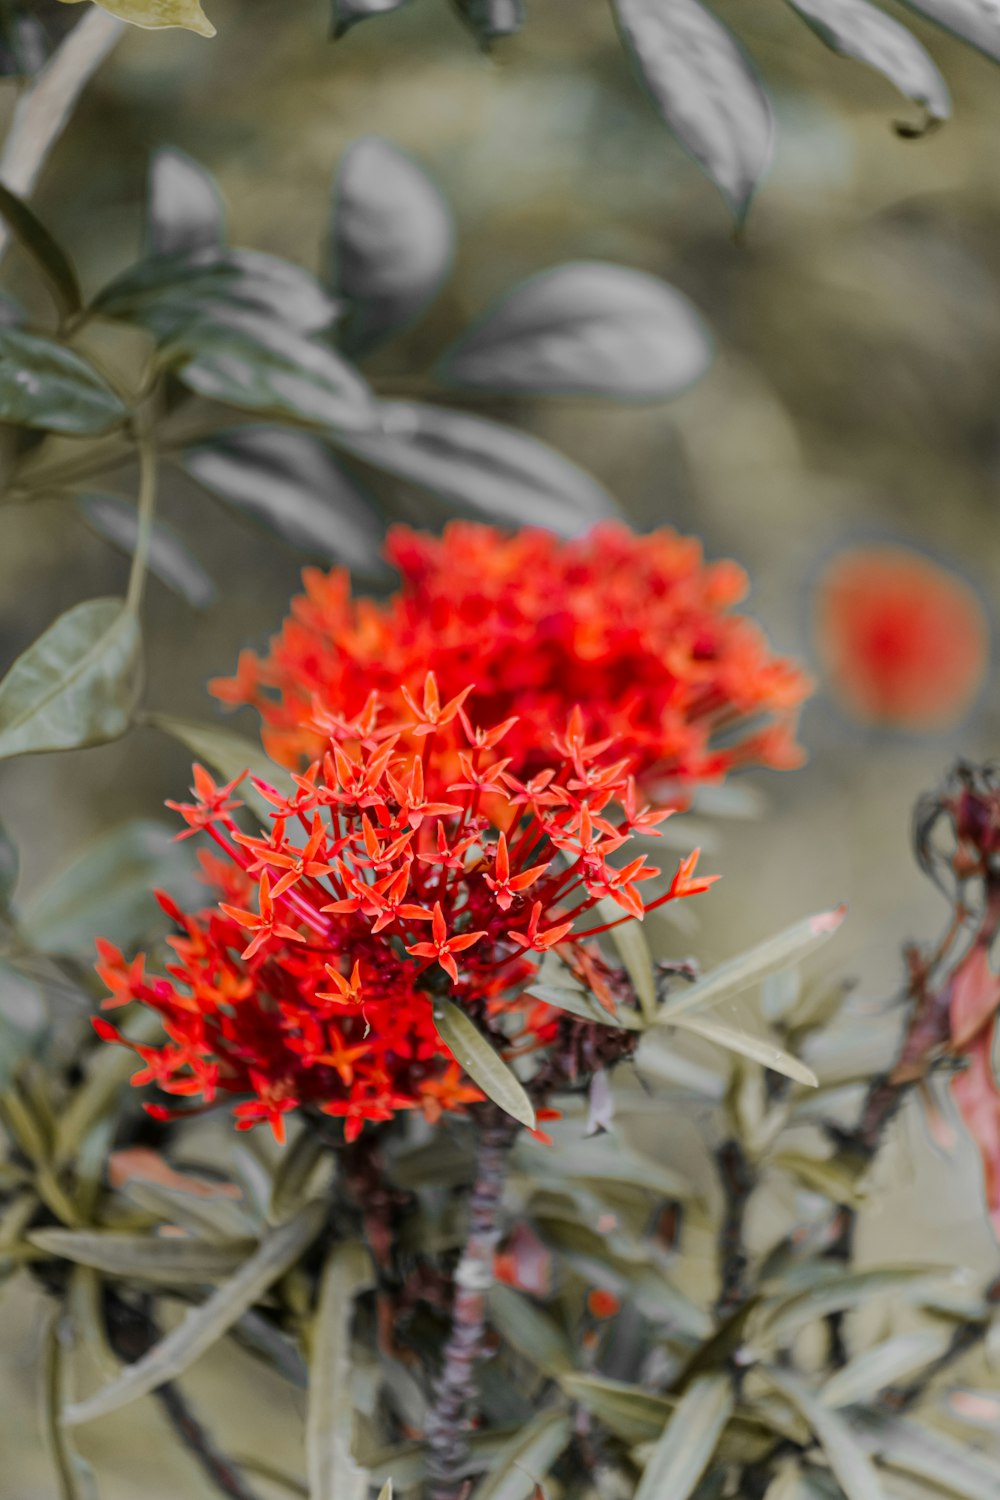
[[737, 1184], [455, 1394], [147, 509], [44, 109]]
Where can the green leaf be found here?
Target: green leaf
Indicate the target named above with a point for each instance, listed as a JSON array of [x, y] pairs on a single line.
[[969, 20], [24, 1020], [228, 754], [294, 1172], [851, 1466], [933, 1458], [77, 685], [107, 889], [44, 384], [479, 467], [758, 1048], [585, 328], [523, 1462], [738, 974], [43, 249], [861, 31], [167, 293], [185, 210], [9, 868], [74, 1476], [202, 1326], [705, 89], [582, 1003], [169, 560], [152, 15], [846, 1290], [214, 1217], [346, 13], [837, 1178], [333, 1474], [602, 1158], [258, 365], [530, 1330], [391, 243], [291, 483], [489, 19], [475, 1055], [631, 1413], [144, 1257], [688, 1440], [867, 1373], [633, 950]]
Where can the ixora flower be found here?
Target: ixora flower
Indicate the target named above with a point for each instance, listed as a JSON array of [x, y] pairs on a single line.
[[409, 869], [639, 630], [905, 642]]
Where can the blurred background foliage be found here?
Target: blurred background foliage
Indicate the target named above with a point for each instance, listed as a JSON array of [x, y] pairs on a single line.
[[852, 398]]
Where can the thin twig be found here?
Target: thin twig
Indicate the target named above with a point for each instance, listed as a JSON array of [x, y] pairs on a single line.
[[737, 1182], [45, 107]]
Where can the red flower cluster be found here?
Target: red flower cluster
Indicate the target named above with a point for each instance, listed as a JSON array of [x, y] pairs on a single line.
[[409, 862], [639, 630]]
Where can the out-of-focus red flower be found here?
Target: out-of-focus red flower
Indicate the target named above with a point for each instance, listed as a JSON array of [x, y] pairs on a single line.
[[639, 630], [904, 641], [602, 1304], [408, 863]]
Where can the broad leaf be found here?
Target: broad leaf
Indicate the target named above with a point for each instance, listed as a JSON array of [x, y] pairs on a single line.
[[253, 363], [480, 467], [107, 889], [585, 328], [333, 1474], [144, 1257], [153, 15], [47, 254], [44, 384], [851, 1466], [867, 1373], [77, 685], [291, 483], [738, 974], [519, 1469], [969, 20], [477, 1057], [704, 88], [391, 244], [117, 521], [862, 31], [185, 210], [346, 13], [688, 1440], [759, 1048], [202, 1326], [166, 293]]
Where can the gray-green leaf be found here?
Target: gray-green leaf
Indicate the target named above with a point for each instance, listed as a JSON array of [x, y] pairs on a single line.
[[44, 384], [391, 244], [705, 89], [186, 212], [525, 1459], [688, 1440], [346, 13], [202, 1326], [333, 1474], [851, 1465], [145, 1257], [970, 20], [169, 560], [474, 1053], [77, 685], [585, 328]]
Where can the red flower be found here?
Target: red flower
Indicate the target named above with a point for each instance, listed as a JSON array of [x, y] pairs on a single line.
[[639, 630], [904, 641], [367, 899]]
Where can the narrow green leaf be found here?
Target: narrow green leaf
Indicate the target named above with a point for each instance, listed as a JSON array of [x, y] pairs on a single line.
[[228, 754], [582, 1003], [294, 1171], [633, 950], [705, 90], [851, 1465], [847, 1290], [867, 1373], [347, 13], [333, 1473], [44, 384], [215, 1217], [688, 1440], [77, 685], [74, 1476], [9, 868], [756, 1047], [837, 1179], [933, 1458], [531, 1331], [474, 1053], [969, 20], [490, 19], [602, 1158], [117, 521], [202, 1326], [738, 974], [48, 256], [631, 1413], [143, 1256], [524, 1461]]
